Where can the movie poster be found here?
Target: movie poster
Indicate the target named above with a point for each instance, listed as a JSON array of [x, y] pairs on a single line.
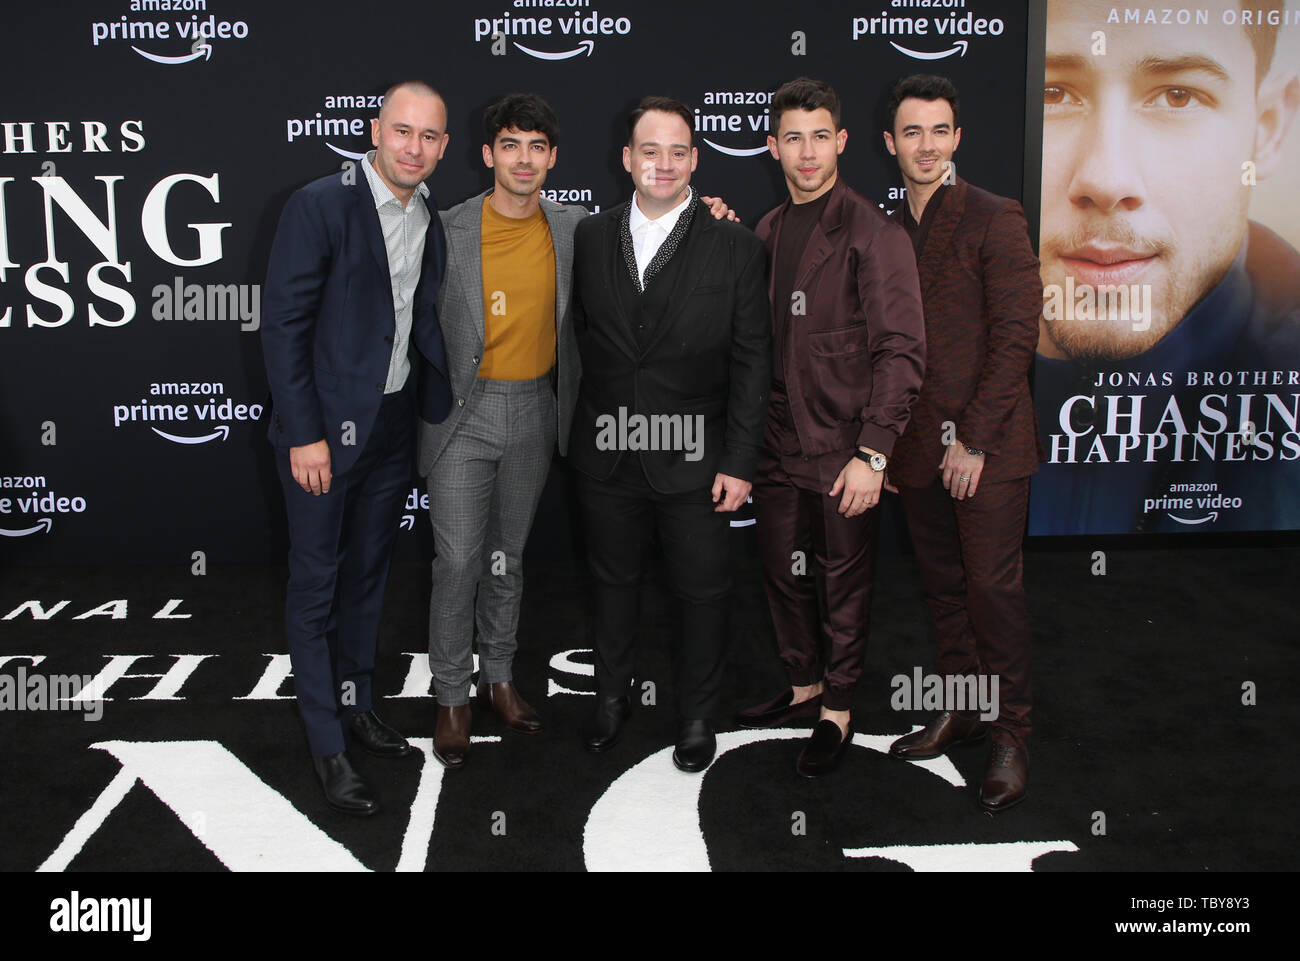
[[1167, 381]]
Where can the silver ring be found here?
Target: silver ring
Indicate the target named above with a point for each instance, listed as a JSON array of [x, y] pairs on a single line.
[[964, 477]]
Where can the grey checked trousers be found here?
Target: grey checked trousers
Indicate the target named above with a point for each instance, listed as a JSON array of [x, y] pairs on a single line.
[[483, 493]]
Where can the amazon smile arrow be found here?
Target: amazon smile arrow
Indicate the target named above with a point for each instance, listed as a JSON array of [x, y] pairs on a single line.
[[203, 50], [44, 524], [223, 432], [590, 45], [962, 45]]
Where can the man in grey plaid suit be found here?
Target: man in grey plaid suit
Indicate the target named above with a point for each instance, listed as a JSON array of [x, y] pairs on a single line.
[[513, 361]]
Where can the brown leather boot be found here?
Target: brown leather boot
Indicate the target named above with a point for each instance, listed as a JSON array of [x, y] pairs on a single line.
[[451, 736], [504, 700]]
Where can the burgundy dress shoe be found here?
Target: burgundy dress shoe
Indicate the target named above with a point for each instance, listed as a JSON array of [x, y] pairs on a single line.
[[451, 736], [822, 752], [1006, 777], [502, 699], [947, 730], [779, 711], [344, 789], [377, 737]]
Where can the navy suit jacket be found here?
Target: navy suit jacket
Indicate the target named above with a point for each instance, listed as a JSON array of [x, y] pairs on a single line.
[[328, 321]]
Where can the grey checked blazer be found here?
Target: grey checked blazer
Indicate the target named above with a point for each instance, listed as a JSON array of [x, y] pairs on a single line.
[[460, 311]]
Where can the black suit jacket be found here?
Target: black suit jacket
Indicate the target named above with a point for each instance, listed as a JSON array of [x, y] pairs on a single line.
[[710, 355], [328, 322]]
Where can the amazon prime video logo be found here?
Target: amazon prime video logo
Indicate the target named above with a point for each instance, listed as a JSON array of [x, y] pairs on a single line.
[[186, 412], [730, 121], [925, 37], [30, 495], [338, 133], [170, 42], [560, 37]]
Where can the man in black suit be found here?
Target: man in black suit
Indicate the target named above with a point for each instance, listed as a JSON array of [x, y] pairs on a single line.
[[671, 316], [350, 326]]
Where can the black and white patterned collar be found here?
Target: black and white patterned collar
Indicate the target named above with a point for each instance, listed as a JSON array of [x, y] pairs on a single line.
[[666, 249]]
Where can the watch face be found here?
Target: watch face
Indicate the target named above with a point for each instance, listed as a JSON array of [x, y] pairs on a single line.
[[877, 461]]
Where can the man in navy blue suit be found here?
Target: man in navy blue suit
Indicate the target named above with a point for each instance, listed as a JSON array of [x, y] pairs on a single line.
[[350, 326]]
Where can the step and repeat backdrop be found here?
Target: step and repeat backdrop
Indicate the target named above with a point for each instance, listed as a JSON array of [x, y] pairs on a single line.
[[147, 148]]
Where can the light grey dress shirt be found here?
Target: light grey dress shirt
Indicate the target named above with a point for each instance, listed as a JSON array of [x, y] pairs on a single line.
[[404, 229]]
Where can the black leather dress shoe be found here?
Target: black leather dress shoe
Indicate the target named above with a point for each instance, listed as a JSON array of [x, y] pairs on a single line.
[[779, 711], [1006, 777], [947, 730], [344, 789], [822, 752], [606, 725], [376, 736], [696, 746]]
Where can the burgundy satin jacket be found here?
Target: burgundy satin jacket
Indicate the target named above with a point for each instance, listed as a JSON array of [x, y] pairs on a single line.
[[854, 358]]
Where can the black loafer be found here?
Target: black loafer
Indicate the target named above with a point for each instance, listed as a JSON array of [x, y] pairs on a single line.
[[377, 737], [696, 746], [779, 711], [822, 752], [344, 789], [606, 725]]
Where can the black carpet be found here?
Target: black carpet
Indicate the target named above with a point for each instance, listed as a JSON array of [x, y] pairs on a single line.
[[1144, 756]]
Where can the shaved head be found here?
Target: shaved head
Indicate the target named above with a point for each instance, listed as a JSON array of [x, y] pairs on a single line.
[[418, 87]]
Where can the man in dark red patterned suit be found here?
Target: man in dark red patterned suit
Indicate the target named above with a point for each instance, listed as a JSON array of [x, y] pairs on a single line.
[[962, 466]]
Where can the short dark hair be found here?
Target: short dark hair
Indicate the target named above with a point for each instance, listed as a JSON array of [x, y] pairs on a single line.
[[1262, 36], [663, 105], [805, 94], [924, 86], [522, 111], [417, 86]]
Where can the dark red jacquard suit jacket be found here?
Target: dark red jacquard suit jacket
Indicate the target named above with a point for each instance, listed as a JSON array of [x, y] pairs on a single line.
[[853, 359], [983, 295]]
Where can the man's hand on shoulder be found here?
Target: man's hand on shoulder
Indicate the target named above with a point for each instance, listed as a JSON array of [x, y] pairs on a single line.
[[310, 465], [718, 207], [734, 489]]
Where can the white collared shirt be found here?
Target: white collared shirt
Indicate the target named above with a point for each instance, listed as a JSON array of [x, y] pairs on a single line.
[[404, 229], [649, 235]]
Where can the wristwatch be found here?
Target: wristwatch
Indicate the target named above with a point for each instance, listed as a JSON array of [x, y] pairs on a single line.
[[876, 460]]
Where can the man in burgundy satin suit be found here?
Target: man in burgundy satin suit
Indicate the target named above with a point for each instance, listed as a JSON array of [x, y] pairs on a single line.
[[972, 431], [848, 354]]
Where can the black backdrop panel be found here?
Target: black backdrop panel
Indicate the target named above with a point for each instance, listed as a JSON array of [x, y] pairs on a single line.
[[130, 275]]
